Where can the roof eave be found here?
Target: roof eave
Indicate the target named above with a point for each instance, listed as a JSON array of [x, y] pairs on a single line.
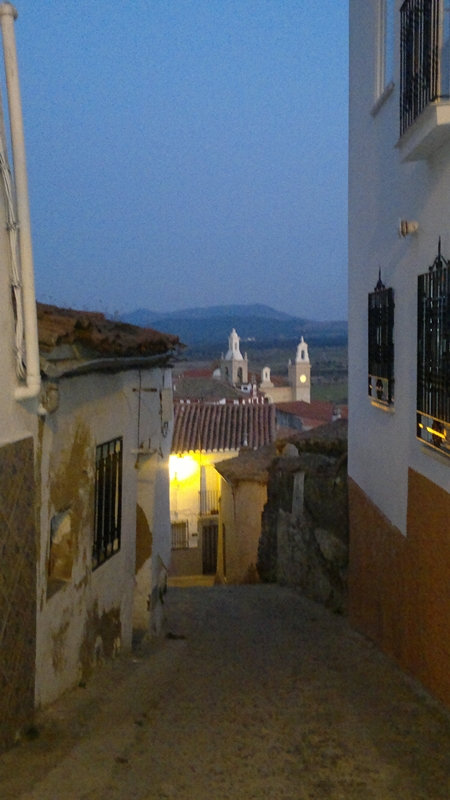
[[111, 365]]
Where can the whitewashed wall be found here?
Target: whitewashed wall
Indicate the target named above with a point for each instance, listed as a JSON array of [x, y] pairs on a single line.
[[382, 445], [94, 409]]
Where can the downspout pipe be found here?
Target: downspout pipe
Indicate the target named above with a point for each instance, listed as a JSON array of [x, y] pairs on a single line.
[[33, 379]]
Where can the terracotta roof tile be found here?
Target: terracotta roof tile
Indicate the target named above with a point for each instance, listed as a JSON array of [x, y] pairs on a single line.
[[318, 411], [209, 427], [65, 326]]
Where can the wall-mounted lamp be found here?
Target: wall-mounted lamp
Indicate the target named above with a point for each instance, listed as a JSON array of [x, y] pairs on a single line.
[[406, 227]]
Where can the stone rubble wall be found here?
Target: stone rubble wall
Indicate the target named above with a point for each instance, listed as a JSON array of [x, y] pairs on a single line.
[[304, 539]]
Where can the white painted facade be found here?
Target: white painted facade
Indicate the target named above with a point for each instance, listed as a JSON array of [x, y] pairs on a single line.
[[93, 409], [67, 615], [389, 181]]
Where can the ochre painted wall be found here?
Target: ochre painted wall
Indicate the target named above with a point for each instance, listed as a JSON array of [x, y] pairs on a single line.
[[240, 512], [399, 586]]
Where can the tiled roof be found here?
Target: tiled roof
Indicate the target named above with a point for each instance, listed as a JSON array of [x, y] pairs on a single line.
[[317, 410], [206, 389], [208, 427], [59, 327]]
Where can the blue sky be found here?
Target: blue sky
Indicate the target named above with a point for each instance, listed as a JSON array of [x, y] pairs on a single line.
[[187, 152]]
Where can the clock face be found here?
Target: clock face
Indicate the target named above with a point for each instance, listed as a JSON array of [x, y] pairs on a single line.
[[303, 378]]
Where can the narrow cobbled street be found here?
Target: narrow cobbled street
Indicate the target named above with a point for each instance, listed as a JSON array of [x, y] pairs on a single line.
[[267, 696]]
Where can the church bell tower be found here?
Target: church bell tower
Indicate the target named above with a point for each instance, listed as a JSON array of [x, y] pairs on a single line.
[[300, 374], [234, 367]]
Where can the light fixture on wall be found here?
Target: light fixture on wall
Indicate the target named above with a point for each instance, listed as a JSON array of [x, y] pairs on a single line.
[[406, 227]]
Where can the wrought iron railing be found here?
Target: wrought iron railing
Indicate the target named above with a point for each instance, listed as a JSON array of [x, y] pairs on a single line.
[[424, 59], [381, 344], [180, 535], [209, 501], [433, 355]]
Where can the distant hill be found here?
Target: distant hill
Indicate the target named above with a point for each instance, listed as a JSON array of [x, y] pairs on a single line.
[[145, 317], [259, 325]]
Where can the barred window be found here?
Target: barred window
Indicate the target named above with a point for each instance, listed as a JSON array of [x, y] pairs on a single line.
[[433, 355], [180, 535], [381, 344], [108, 501]]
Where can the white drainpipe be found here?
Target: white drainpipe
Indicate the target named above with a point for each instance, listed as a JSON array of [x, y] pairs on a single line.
[[33, 380]]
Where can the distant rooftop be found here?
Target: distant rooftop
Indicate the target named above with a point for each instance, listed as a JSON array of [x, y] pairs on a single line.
[[206, 427]]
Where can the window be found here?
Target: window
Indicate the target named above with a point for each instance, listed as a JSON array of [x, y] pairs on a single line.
[[180, 535], [381, 344], [209, 491], [424, 74], [108, 501], [433, 356]]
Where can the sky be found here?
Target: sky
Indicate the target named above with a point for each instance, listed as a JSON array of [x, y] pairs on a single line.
[[187, 153]]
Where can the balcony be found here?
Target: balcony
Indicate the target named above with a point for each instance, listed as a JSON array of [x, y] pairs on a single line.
[[424, 77], [209, 502]]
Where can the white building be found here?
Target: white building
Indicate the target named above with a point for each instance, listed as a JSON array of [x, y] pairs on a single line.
[[399, 332], [85, 430], [19, 390], [102, 465], [234, 370]]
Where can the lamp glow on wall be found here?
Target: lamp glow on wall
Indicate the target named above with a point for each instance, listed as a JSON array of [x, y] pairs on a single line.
[[182, 467]]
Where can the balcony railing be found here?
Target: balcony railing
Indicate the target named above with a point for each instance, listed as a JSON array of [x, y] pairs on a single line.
[[209, 502], [425, 57], [433, 356]]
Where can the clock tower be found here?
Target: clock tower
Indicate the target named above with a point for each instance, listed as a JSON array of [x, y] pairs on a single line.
[[300, 374]]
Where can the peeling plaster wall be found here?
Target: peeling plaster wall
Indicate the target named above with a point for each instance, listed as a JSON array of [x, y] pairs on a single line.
[[89, 616]]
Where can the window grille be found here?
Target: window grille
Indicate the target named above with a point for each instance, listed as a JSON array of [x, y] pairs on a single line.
[[180, 535], [108, 501], [421, 54], [209, 501], [381, 344], [433, 355]]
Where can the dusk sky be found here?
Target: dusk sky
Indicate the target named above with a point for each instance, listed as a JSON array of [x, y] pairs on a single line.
[[187, 152]]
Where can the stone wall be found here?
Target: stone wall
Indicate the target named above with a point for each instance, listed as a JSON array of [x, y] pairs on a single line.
[[17, 588], [304, 540]]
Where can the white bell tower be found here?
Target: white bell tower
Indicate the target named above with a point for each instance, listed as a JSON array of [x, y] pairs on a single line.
[[300, 374], [234, 367]]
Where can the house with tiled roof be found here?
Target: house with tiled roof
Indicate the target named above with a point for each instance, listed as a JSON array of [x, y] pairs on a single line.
[[205, 433], [301, 416], [86, 418], [106, 419]]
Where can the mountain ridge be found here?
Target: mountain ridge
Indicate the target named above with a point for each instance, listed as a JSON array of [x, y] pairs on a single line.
[[261, 327], [141, 316]]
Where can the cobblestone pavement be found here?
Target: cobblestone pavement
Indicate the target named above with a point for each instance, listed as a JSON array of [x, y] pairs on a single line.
[[268, 696]]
